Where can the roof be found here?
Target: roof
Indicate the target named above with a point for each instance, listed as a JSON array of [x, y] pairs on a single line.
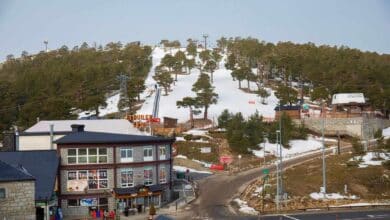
[[347, 98], [9, 173], [41, 164], [288, 107], [85, 137], [117, 126]]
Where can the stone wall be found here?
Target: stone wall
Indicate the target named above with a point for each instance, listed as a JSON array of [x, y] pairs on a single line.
[[356, 127], [19, 202]]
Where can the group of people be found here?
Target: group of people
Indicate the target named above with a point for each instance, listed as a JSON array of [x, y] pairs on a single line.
[[103, 214]]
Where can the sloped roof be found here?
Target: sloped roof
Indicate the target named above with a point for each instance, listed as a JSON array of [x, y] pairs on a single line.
[[117, 126], [41, 164], [85, 137], [9, 173]]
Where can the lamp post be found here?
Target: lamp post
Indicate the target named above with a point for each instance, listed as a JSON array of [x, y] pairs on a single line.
[[239, 162], [264, 137], [323, 151]]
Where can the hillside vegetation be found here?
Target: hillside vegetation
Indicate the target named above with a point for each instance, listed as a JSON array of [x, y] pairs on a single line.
[[51, 84]]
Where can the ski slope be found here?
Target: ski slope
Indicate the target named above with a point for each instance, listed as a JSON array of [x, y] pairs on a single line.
[[230, 97]]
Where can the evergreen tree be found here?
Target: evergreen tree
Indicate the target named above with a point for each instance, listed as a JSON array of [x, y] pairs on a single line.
[[210, 67], [286, 95], [224, 119], [163, 78], [191, 48], [190, 103], [205, 92]]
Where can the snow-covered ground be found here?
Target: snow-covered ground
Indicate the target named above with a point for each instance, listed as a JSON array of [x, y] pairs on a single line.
[[230, 97], [112, 107], [184, 169], [330, 196], [386, 133], [244, 208], [371, 159], [298, 147]]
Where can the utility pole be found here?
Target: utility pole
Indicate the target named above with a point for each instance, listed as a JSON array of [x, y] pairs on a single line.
[[277, 172], [281, 152], [205, 36], [123, 78], [323, 151], [46, 42]]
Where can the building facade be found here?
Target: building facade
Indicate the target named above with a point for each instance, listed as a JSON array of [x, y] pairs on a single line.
[[112, 171], [17, 190]]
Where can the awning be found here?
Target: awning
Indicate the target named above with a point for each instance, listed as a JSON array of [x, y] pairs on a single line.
[[138, 191]]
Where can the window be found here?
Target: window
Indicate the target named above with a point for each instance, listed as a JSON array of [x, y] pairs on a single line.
[[148, 176], [126, 155], [90, 179], [163, 175], [163, 152], [84, 155], [127, 179], [72, 156], [2, 193], [73, 202], [148, 154]]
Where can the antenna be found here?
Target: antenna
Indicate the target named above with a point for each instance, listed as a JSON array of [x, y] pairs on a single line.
[[205, 36], [46, 42]]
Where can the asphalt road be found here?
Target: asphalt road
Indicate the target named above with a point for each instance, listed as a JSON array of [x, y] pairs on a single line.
[[217, 191], [345, 215]]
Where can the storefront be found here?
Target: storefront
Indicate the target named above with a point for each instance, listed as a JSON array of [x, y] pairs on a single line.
[[138, 198]]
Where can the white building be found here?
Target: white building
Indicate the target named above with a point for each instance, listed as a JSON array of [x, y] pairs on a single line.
[[40, 136]]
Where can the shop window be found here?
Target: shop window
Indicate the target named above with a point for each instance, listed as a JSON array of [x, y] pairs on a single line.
[[73, 202], [126, 155], [2, 193], [87, 179], [127, 178], [148, 154], [148, 176]]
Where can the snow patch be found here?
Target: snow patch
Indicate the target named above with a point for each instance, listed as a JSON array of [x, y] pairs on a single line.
[[386, 133], [184, 169], [330, 196], [297, 148], [181, 156], [371, 159], [244, 208], [112, 107]]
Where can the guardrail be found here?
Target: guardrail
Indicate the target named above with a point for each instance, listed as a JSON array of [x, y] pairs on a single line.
[[333, 208]]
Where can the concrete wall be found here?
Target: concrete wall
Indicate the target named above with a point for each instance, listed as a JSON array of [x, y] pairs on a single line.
[[19, 202], [37, 142]]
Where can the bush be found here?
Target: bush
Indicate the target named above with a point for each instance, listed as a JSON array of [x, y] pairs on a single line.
[[188, 137], [357, 147], [386, 164]]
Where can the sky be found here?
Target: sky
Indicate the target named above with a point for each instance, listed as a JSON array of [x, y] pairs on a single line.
[[24, 25]]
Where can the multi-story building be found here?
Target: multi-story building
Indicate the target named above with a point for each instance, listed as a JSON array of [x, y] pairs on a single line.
[[113, 171]]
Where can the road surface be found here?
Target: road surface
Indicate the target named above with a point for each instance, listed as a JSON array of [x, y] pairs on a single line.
[[217, 191]]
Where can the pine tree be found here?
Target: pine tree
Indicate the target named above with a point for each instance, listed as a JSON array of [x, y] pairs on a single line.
[[190, 103], [210, 67], [191, 48], [205, 93], [163, 78], [286, 95]]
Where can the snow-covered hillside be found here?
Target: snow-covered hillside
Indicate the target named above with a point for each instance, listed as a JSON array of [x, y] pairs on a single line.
[[112, 107], [230, 97]]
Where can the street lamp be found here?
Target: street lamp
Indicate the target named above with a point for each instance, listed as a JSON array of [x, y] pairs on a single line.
[[239, 161], [278, 171], [264, 137]]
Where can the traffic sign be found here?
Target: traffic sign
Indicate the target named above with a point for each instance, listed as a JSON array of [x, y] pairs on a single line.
[[266, 171]]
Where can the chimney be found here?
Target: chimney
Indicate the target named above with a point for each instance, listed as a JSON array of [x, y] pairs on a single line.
[[16, 138], [77, 128], [51, 136]]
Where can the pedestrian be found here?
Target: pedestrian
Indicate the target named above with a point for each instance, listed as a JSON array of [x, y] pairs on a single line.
[[105, 214], [155, 86]]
